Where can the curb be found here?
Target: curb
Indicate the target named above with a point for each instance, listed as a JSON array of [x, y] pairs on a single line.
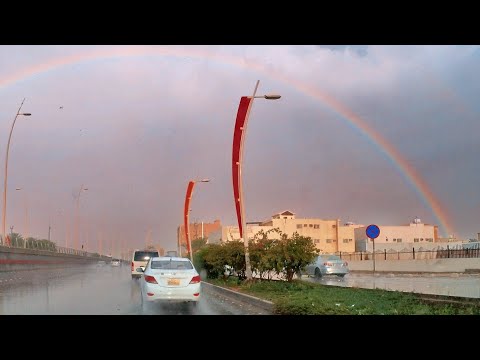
[[249, 299]]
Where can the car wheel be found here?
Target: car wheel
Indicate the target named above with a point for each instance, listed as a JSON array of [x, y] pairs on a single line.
[[341, 275], [318, 273]]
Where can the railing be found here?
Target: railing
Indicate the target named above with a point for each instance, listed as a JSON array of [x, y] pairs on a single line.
[[51, 247], [466, 251]]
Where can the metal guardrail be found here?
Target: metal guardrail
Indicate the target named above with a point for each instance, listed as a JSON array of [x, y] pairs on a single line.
[[465, 251], [51, 247]]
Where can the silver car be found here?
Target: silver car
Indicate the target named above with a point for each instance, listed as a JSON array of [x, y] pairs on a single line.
[[327, 265]]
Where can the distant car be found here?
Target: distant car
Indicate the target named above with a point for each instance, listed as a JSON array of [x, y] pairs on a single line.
[[115, 262], [327, 265], [140, 258], [170, 279]]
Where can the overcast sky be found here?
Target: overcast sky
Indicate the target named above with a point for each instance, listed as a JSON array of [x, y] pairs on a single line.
[[135, 129]]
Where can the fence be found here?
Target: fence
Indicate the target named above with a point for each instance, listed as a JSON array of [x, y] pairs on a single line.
[[464, 251], [52, 247]]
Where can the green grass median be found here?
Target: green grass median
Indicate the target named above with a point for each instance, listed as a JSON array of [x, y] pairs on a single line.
[[301, 298]]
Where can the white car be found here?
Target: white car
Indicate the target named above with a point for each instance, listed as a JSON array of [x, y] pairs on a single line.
[[115, 262], [170, 279]]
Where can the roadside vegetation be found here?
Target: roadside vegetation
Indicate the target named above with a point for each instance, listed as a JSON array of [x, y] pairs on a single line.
[[17, 240], [278, 255], [302, 298], [224, 265]]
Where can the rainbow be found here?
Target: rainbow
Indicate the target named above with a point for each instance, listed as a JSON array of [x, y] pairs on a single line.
[[406, 170]]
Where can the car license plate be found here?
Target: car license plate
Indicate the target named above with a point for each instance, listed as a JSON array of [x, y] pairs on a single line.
[[173, 281]]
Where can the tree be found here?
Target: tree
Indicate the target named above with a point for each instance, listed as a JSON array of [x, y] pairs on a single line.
[[16, 240], [293, 254], [198, 243]]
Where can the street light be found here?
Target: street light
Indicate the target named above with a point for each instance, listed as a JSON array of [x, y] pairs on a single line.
[[4, 215], [186, 213], [75, 245], [237, 157]]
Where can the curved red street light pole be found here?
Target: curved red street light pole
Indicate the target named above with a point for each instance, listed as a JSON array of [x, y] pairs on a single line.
[[237, 157], [4, 213], [186, 211]]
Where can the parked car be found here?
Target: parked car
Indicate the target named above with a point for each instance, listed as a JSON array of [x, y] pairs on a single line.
[[170, 279], [140, 258], [327, 265]]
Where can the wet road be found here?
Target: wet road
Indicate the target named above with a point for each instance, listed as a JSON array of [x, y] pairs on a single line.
[[461, 285], [92, 290]]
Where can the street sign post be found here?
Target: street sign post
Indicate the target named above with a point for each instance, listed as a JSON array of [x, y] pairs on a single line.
[[372, 232]]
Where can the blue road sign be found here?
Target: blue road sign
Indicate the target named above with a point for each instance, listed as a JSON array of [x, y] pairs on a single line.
[[372, 231]]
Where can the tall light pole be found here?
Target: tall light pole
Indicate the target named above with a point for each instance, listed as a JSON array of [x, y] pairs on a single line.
[[4, 213], [243, 113], [186, 213], [75, 246]]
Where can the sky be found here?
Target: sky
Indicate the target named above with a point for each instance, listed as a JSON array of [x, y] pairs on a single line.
[[369, 134]]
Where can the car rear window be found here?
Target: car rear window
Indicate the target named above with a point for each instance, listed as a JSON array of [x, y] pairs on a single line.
[[144, 255], [333, 257], [171, 265]]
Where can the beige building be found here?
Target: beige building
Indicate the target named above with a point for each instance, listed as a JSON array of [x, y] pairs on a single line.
[[392, 237], [329, 236]]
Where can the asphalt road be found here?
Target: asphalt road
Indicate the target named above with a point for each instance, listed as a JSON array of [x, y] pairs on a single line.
[[93, 290]]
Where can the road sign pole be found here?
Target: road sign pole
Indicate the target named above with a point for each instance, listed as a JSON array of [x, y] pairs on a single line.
[[372, 232], [373, 257]]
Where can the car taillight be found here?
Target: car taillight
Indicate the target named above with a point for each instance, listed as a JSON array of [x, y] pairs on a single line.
[[195, 280], [150, 279], [133, 266]]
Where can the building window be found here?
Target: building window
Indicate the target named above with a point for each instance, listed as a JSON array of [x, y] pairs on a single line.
[[416, 240], [329, 241], [399, 240], [394, 240], [350, 240], [429, 239], [334, 226], [310, 225], [284, 217], [421, 239], [299, 226], [345, 241], [334, 240], [316, 226], [317, 241], [305, 225]]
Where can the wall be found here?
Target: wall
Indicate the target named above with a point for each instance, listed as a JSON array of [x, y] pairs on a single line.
[[430, 265], [29, 259]]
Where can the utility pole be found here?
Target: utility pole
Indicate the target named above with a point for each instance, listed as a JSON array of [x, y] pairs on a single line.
[[49, 230]]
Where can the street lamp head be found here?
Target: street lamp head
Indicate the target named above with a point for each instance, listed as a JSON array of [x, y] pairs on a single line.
[[85, 189], [25, 114], [205, 180], [18, 188], [272, 97]]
